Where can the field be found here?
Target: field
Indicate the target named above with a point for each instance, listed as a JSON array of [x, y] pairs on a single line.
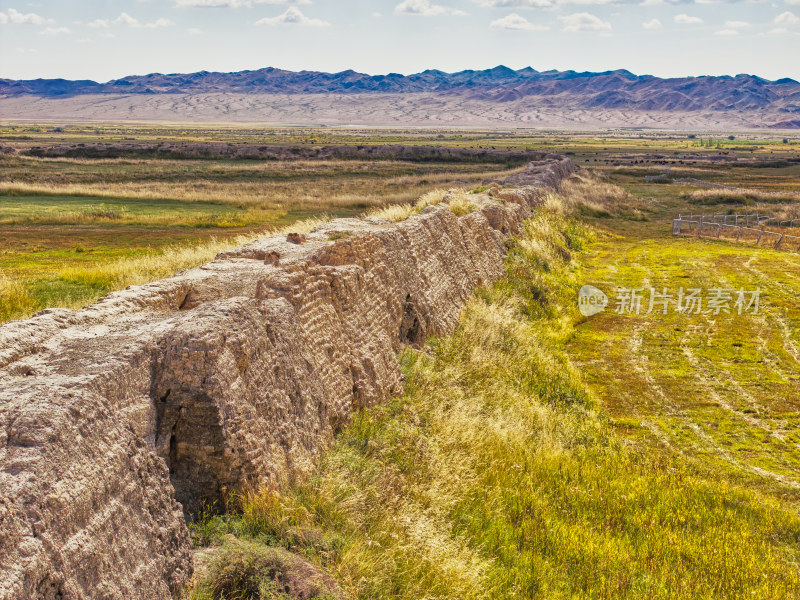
[[535, 453], [73, 229]]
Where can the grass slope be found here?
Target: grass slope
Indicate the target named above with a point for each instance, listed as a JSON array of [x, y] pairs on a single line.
[[498, 474]]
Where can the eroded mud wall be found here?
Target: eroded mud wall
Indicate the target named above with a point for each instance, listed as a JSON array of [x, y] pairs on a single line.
[[117, 419]]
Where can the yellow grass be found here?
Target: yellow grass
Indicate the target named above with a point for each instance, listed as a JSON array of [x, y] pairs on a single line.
[[495, 476], [14, 299], [327, 186], [742, 196], [150, 267], [400, 212]]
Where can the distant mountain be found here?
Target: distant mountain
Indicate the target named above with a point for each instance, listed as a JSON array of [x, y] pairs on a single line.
[[619, 90], [494, 97]]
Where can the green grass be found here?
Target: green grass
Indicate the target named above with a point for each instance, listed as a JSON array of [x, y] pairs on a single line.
[[497, 474], [27, 210], [534, 453], [61, 219]]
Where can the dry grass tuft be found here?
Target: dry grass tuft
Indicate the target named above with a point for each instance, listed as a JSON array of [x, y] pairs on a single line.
[[742, 196], [400, 212], [590, 195], [157, 265], [460, 202], [14, 299]]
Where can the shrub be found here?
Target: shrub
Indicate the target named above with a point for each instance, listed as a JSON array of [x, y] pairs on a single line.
[[249, 571]]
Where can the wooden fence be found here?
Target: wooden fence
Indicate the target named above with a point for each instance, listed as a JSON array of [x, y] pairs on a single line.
[[756, 229]]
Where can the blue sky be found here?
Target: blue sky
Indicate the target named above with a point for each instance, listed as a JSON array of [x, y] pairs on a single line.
[[101, 40]]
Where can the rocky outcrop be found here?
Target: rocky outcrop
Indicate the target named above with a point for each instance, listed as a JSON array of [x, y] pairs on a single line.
[[119, 420]]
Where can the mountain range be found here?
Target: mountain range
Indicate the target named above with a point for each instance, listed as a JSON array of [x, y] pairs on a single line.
[[265, 94]]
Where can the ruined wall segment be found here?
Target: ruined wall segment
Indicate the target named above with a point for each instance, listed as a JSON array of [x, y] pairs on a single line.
[[118, 420]]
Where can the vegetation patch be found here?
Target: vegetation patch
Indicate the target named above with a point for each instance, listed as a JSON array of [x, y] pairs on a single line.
[[496, 475], [742, 196], [250, 571]]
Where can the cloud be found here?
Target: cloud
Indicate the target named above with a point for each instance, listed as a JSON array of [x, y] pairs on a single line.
[[726, 32], [107, 35], [54, 31], [160, 22], [593, 2], [584, 22], [781, 31], [236, 3], [195, 31], [685, 19], [84, 41], [292, 16], [18, 18], [518, 3], [126, 19], [787, 18], [736, 24], [424, 8], [652, 24], [212, 3], [516, 22]]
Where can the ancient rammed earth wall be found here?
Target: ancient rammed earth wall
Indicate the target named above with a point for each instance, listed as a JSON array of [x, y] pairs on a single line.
[[117, 418]]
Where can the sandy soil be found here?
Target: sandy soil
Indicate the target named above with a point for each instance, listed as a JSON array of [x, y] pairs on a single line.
[[362, 109]]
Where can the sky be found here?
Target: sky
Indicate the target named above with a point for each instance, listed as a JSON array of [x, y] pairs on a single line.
[[103, 40]]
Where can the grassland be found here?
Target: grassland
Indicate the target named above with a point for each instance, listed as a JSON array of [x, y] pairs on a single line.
[[71, 230], [539, 454], [535, 453]]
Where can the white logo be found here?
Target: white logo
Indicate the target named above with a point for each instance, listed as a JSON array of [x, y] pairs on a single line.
[[591, 301]]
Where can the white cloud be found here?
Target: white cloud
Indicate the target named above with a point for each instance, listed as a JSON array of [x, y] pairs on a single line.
[[787, 18], [652, 24], [424, 8], [84, 41], [292, 16], [592, 2], [213, 3], [195, 31], [518, 3], [54, 31], [236, 3], [794, 2], [584, 22], [18, 18], [126, 19], [377, 15], [685, 19], [781, 31], [726, 32], [517, 22], [736, 24], [107, 35], [160, 22]]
